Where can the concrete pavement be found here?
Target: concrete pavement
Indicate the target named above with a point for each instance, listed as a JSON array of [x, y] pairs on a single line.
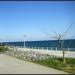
[[10, 65]]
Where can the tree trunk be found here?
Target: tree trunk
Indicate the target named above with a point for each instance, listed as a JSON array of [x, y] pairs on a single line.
[[63, 56]]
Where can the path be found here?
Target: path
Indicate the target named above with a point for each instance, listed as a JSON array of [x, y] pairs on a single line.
[[10, 65]]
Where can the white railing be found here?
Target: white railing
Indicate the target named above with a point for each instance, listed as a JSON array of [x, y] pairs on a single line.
[[44, 48], [46, 51]]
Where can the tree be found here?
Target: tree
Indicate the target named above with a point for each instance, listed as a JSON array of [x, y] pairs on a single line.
[[60, 37]]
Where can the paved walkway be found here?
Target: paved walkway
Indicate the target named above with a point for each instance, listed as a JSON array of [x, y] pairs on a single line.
[[10, 65]]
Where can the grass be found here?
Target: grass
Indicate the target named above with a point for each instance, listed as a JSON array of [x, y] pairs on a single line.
[[57, 63], [3, 48]]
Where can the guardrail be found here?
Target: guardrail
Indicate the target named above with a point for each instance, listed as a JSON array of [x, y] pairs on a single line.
[[44, 48], [36, 53]]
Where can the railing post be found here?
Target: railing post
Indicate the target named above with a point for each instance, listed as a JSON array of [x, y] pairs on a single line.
[[42, 48], [47, 48], [35, 48], [56, 48], [68, 49], [51, 48], [38, 48]]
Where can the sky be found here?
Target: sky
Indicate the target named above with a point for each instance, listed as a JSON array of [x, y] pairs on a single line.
[[35, 18]]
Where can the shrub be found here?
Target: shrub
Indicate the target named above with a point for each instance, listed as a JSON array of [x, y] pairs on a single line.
[[3, 48]]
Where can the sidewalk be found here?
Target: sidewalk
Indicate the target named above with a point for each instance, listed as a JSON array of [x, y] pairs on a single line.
[[10, 65]]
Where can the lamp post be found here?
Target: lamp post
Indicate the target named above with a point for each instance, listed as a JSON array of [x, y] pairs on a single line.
[[24, 40]]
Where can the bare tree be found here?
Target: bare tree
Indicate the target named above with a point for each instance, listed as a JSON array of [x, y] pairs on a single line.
[[60, 37]]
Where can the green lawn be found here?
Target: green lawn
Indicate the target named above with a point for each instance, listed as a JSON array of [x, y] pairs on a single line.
[[57, 63]]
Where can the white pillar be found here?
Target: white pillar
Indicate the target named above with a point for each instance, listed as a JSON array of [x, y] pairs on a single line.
[[42, 48], [47, 48], [38, 47], [56, 48], [68, 49], [51, 48]]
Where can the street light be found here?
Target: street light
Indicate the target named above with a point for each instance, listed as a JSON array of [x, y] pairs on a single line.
[[24, 40]]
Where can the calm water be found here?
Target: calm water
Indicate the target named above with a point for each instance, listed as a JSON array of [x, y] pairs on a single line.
[[46, 43]]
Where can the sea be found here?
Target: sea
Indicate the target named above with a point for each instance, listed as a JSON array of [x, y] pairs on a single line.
[[68, 43]]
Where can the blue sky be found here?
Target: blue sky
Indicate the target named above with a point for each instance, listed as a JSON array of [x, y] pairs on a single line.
[[34, 17]]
